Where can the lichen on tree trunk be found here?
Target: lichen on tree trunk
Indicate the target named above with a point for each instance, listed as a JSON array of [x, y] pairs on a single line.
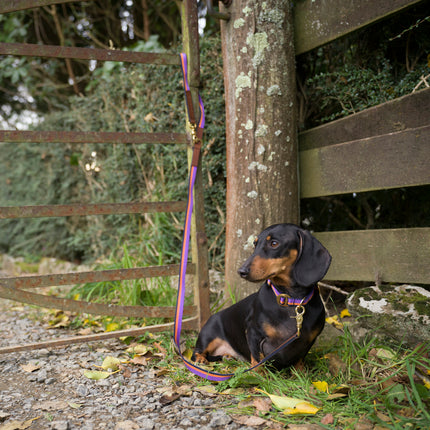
[[262, 172]]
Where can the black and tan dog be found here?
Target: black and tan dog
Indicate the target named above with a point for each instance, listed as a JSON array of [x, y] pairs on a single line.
[[290, 261]]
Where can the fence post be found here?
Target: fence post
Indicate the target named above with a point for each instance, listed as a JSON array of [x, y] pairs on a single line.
[[262, 166], [190, 40]]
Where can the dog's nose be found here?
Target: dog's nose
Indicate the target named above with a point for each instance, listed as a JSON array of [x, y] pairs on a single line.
[[243, 271]]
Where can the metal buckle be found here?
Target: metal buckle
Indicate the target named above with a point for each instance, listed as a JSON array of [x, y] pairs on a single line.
[[282, 299]]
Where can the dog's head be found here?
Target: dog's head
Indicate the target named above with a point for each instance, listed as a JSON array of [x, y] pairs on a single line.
[[288, 255]]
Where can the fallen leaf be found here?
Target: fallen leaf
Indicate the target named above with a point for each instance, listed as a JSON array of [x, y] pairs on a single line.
[[209, 390], [29, 367], [249, 420], [18, 425], [85, 331], [327, 419], [97, 374], [140, 360], [233, 391], [167, 399], [139, 349], [334, 322], [335, 364], [126, 371], [111, 363], [75, 405], [292, 406], [321, 386], [160, 348], [262, 405], [345, 313], [303, 408], [112, 327], [336, 396]]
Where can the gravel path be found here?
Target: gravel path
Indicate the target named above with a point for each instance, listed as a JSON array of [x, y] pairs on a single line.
[[46, 389]]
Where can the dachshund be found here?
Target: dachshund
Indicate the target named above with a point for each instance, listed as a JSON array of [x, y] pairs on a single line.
[[289, 261]]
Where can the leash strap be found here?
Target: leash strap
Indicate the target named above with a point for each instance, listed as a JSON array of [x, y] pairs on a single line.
[[197, 133]]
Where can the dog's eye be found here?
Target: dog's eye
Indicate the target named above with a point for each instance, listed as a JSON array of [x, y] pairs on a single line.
[[255, 242], [274, 243]]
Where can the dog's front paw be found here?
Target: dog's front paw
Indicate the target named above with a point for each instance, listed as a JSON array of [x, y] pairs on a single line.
[[200, 358]]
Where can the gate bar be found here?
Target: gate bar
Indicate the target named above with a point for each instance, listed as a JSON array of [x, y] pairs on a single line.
[[83, 307], [57, 279], [10, 212], [14, 136], [56, 51], [15, 5], [187, 324]]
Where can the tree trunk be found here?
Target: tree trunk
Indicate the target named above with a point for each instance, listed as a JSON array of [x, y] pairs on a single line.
[[262, 170]]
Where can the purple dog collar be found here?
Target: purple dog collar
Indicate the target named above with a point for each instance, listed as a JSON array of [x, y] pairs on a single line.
[[286, 300]]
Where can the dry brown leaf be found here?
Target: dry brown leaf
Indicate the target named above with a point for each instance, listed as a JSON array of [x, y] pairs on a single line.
[[18, 425], [167, 399], [249, 420], [262, 405], [161, 349], [29, 367], [140, 360], [327, 419]]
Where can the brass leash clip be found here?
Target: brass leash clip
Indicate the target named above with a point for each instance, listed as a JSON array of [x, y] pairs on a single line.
[[300, 311]]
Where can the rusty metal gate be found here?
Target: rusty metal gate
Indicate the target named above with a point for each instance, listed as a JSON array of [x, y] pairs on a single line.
[[19, 288]]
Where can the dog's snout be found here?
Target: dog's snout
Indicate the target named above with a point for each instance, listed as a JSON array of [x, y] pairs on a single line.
[[243, 271]]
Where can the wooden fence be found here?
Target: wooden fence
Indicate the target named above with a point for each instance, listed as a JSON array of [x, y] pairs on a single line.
[[386, 146]]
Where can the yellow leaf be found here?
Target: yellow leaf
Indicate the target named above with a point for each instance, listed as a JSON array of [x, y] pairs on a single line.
[[304, 408], [111, 363], [345, 313], [321, 386], [97, 374], [112, 326], [139, 349], [188, 353], [290, 405], [334, 321]]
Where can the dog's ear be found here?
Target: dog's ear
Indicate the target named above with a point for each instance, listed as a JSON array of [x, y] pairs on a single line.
[[312, 262]]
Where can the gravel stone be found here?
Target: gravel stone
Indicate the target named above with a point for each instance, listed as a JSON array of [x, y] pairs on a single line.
[[58, 396]]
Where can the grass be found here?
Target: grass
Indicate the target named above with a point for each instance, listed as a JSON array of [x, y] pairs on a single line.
[[368, 385]]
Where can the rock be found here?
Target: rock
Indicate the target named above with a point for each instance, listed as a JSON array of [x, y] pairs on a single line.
[[59, 425], [392, 313]]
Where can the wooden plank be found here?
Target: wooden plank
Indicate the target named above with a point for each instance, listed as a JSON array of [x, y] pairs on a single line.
[[394, 255], [319, 22], [381, 162], [410, 111]]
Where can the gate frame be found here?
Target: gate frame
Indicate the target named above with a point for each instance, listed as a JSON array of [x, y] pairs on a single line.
[[11, 287]]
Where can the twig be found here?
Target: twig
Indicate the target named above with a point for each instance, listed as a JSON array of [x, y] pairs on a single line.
[[332, 287]]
